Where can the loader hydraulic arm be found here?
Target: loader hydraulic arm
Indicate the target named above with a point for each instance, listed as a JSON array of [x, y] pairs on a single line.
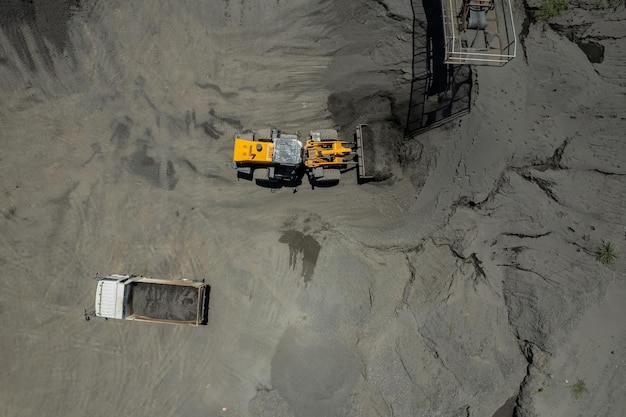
[[326, 153]]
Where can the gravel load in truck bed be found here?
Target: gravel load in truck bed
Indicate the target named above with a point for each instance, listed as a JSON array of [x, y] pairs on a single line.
[[165, 302]]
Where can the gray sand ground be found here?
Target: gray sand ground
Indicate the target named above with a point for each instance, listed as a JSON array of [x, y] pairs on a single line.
[[465, 284]]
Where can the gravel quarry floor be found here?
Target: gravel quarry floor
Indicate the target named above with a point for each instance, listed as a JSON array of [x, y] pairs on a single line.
[[464, 283]]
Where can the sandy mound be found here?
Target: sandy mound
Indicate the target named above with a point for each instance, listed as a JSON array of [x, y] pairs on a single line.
[[465, 283]]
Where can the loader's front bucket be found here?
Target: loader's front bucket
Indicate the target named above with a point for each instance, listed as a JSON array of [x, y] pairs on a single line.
[[364, 147]]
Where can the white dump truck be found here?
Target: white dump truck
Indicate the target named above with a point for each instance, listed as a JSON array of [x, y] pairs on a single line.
[[131, 297]]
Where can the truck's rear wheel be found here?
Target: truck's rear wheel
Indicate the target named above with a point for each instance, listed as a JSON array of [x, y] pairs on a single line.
[[331, 177], [328, 134], [263, 135]]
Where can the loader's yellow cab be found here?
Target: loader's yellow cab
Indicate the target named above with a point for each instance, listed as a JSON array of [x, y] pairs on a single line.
[[252, 152]]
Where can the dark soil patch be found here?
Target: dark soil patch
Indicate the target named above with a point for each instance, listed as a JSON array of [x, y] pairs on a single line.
[[47, 20], [299, 243], [593, 50]]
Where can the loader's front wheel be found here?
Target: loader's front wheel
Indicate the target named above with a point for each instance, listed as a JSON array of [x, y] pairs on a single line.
[[328, 134], [331, 177], [264, 135]]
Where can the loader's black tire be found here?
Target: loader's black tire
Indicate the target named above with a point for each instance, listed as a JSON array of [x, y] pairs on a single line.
[[263, 135], [328, 134], [331, 177], [246, 136], [260, 175]]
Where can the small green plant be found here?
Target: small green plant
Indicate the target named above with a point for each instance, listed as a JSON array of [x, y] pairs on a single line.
[[606, 253], [578, 389], [613, 4], [550, 9]]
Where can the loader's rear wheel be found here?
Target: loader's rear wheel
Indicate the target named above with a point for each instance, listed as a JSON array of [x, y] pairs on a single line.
[[328, 134], [247, 136], [260, 175], [331, 177], [263, 135]]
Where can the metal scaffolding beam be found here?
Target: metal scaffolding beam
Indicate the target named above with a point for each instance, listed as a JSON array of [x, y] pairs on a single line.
[[479, 32]]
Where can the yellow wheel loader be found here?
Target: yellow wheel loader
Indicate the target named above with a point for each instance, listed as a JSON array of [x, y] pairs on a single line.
[[271, 157]]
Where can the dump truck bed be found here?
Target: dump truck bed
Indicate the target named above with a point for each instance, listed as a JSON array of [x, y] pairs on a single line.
[[165, 302]]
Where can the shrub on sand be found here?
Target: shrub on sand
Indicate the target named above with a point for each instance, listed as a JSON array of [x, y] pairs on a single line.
[[606, 253], [579, 388], [613, 4], [551, 8]]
